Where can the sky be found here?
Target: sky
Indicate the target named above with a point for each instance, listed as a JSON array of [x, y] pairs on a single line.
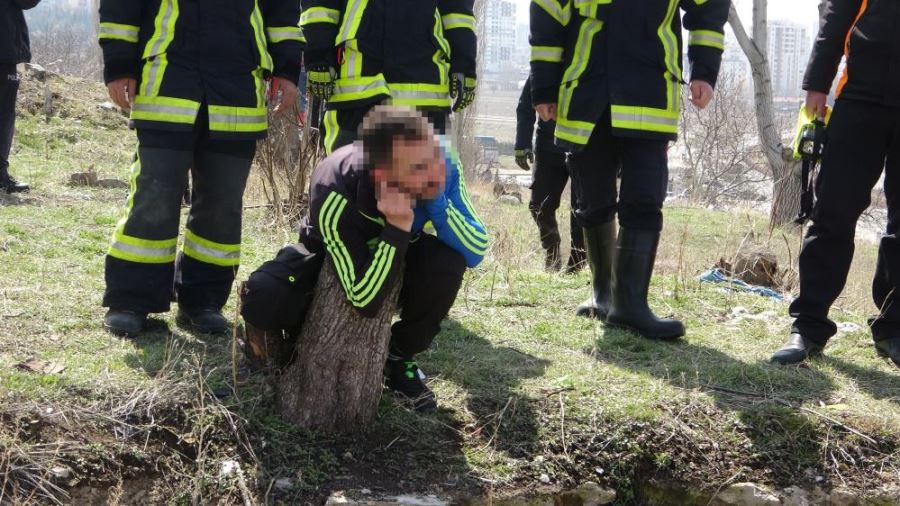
[[801, 11]]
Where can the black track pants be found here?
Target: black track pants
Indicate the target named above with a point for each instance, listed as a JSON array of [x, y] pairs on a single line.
[[550, 177]]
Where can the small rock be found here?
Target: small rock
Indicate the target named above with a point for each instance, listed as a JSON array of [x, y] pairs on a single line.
[[36, 71], [592, 494], [61, 472], [228, 468], [283, 484], [599, 470], [539, 459], [843, 497], [748, 494], [347, 456], [513, 200], [365, 491], [107, 106], [820, 479], [337, 498], [545, 478], [795, 496]]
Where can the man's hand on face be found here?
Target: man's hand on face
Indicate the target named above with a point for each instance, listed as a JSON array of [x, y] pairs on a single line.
[[122, 92], [816, 104], [396, 206], [701, 94], [546, 112]]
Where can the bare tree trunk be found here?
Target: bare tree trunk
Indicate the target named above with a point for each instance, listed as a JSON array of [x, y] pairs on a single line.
[[335, 383], [785, 171]]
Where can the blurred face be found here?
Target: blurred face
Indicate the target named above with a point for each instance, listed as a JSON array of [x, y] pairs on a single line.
[[418, 169]]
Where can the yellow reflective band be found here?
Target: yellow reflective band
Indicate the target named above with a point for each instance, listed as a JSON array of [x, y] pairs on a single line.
[[142, 251], [359, 88], [116, 31], [353, 16], [456, 20], [576, 132], [441, 56], [206, 251], [153, 73], [163, 29], [562, 14], [669, 41], [551, 54], [256, 21], [320, 15], [352, 64], [471, 82], [420, 94], [331, 130], [645, 119], [165, 109], [237, 119], [707, 38], [586, 32], [282, 33]]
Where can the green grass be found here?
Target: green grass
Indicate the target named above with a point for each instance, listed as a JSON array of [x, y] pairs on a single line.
[[526, 388]]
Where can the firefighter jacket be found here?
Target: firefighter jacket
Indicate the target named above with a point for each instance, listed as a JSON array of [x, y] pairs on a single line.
[[399, 49], [590, 55], [344, 221], [525, 118], [868, 33], [185, 53]]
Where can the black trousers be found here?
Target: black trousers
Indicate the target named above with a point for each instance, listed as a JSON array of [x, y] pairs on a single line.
[[142, 273], [341, 126], [863, 141], [550, 177], [644, 169], [9, 88], [277, 296]]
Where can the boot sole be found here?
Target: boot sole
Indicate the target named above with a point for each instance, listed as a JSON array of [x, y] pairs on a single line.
[[120, 332], [652, 337], [189, 325]]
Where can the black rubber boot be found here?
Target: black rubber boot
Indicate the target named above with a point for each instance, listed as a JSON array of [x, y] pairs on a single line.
[[124, 323], [889, 348], [406, 379], [632, 270], [552, 260], [600, 242], [205, 321], [796, 350]]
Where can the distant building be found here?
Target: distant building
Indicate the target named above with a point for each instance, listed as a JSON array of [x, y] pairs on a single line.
[[789, 48], [500, 34]]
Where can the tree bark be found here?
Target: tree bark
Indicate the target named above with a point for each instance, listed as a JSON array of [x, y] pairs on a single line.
[[335, 383], [785, 171]]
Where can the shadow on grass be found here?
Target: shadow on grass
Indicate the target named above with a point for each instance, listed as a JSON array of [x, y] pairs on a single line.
[[505, 418], [782, 442], [880, 385]]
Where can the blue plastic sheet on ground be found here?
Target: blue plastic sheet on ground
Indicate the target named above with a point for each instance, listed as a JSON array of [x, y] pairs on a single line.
[[718, 276]]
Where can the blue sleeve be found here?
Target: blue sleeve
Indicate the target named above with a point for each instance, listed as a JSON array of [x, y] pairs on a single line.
[[455, 220]]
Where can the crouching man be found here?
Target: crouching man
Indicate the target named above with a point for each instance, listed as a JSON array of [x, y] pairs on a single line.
[[369, 205]]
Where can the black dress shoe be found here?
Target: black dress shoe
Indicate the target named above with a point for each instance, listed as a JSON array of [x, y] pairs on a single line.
[[796, 350], [125, 323], [10, 185], [889, 348], [205, 321]]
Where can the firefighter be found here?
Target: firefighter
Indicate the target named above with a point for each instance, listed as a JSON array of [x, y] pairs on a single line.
[[14, 49], [863, 141], [193, 76], [548, 182], [418, 53], [610, 74], [369, 203]]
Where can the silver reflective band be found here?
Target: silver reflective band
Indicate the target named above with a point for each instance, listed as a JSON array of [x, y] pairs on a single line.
[[709, 39], [348, 20], [319, 16], [164, 29], [281, 34], [234, 118], [224, 255], [411, 94], [553, 8], [546, 53], [574, 132], [144, 251], [359, 88], [641, 118], [130, 34], [458, 21], [172, 110]]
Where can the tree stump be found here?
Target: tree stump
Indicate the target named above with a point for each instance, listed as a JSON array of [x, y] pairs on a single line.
[[335, 383]]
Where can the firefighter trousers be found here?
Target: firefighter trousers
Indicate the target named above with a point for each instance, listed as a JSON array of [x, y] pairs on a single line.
[[277, 296], [644, 168], [145, 271], [341, 126], [548, 183], [863, 141]]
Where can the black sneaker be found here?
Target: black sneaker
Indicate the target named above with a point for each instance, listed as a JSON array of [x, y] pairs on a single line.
[[204, 321], [405, 378], [10, 185]]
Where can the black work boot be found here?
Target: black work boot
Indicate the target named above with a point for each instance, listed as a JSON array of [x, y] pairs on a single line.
[[600, 242], [124, 323], [577, 260], [889, 348], [405, 378], [10, 185], [203, 320], [552, 260], [796, 350], [632, 270]]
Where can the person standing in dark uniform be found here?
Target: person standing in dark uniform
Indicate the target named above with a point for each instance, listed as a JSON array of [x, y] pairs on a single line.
[[14, 49], [610, 74], [549, 179], [863, 141]]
